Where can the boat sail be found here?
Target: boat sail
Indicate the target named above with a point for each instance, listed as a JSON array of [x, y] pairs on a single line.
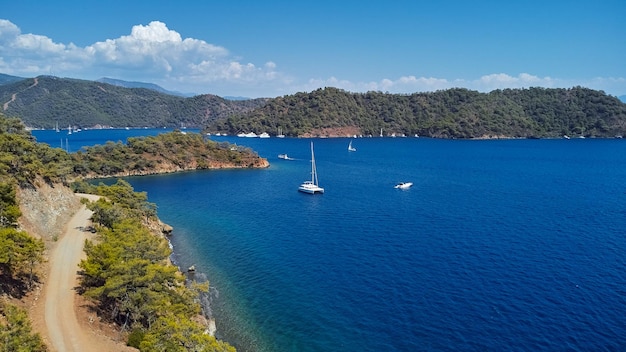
[[351, 148], [312, 186]]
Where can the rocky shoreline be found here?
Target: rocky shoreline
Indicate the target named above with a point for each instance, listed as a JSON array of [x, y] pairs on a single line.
[[170, 168], [45, 211]]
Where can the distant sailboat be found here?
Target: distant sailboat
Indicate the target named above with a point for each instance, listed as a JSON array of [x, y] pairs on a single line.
[[280, 133], [351, 148], [56, 128], [312, 186], [69, 129]]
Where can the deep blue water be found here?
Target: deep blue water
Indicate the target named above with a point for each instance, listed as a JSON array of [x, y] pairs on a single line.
[[75, 141], [507, 245]]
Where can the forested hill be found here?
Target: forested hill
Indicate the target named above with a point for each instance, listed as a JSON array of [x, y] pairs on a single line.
[[44, 101], [453, 113]]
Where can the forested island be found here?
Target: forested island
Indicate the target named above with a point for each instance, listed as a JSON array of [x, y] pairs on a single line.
[[48, 102], [127, 273], [452, 113]]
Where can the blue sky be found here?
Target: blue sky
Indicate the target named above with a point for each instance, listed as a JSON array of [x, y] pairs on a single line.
[[275, 48]]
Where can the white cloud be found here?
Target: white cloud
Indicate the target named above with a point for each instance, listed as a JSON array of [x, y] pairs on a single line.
[[7, 31], [154, 53]]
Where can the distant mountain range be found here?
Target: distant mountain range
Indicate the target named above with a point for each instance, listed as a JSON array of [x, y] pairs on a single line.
[[127, 84], [45, 101], [6, 79]]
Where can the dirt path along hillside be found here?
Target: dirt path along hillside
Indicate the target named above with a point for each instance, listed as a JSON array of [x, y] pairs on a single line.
[[65, 331]]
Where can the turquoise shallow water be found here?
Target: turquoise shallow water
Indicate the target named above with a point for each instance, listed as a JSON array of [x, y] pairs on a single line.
[[499, 245]]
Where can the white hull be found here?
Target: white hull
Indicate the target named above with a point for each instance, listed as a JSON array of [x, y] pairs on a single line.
[[284, 157], [311, 187]]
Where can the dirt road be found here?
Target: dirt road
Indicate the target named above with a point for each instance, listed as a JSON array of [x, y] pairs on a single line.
[[65, 331], [14, 96]]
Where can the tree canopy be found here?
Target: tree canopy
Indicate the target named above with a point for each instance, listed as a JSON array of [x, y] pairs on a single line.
[[127, 271], [452, 113], [19, 251], [16, 332], [47, 101]]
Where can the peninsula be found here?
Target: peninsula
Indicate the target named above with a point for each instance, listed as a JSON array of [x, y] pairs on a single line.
[[125, 291]]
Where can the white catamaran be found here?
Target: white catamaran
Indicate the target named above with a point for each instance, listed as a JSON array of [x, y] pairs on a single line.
[[312, 186]]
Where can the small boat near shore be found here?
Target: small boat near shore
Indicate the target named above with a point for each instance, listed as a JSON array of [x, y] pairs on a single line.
[[403, 185], [284, 157], [247, 135]]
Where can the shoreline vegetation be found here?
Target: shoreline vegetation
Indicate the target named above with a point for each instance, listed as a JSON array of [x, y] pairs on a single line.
[[127, 274], [165, 153]]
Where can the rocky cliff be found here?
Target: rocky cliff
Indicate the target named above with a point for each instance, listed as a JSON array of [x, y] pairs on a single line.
[[46, 209]]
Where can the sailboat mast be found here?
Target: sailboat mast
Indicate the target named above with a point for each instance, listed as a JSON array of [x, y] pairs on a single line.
[[313, 170]]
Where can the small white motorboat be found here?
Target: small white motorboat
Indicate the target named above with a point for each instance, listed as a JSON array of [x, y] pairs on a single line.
[[403, 185], [284, 156]]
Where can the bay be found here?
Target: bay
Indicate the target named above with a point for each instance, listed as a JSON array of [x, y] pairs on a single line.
[[73, 142], [499, 245]]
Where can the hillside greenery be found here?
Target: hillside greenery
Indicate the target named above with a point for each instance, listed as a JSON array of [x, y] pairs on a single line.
[[127, 270], [16, 331], [453, 113], [167, 152], [45, 101], [20, 253], [5, 79]]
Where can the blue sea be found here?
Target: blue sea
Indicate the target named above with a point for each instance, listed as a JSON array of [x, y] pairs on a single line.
[[500, 245]]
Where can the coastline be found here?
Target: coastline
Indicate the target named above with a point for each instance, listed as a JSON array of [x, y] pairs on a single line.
[[190, 276], [262, 163]]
